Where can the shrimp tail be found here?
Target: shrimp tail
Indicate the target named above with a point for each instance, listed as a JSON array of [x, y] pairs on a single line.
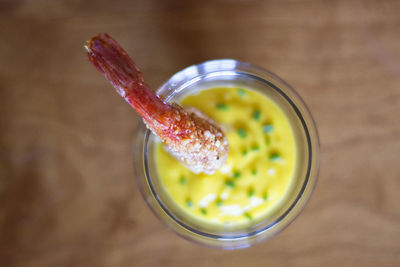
[[120, 70]]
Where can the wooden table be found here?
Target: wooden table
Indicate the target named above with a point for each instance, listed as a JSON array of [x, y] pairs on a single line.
[[67, 190]]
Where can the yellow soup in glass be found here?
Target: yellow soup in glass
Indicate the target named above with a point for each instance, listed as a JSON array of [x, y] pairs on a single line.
[[259, 169]]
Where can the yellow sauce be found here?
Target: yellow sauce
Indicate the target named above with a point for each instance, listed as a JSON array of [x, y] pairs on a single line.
[[260, 165]]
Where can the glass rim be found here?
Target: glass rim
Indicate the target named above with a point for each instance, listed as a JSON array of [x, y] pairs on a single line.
[[187, 75]]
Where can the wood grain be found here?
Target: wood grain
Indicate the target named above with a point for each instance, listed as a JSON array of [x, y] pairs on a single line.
[[67, 191]]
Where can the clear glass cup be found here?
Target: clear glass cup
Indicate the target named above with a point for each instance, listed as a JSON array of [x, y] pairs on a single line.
[[231, 73]]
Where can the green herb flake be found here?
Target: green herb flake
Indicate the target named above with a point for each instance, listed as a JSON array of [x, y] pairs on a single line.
[[189, 203], [265, 196], [203, 211], [241, 92], [274, 156], [236, 174], [242, 133], [244, 152], [255, 148], [222, 106], [251, 192], [219, 203], [256, 115], [268, 128], [230, 183], [254, 172], [248, 216], [182, 180]]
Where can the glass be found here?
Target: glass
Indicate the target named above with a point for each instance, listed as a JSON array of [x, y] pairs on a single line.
[[231, 73]]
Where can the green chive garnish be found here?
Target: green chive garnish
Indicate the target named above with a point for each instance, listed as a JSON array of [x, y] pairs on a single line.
[[251, 192], [219, 203], [254, 172], [230, 183], [244, 152], [189, 203], [222, 106], [255, 148], [268, 128], [236, 174], [242, 133], [204, 211], [182, 180], [248, 216], [256, 115], [265, 196], [241, 92], [274, 156]]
